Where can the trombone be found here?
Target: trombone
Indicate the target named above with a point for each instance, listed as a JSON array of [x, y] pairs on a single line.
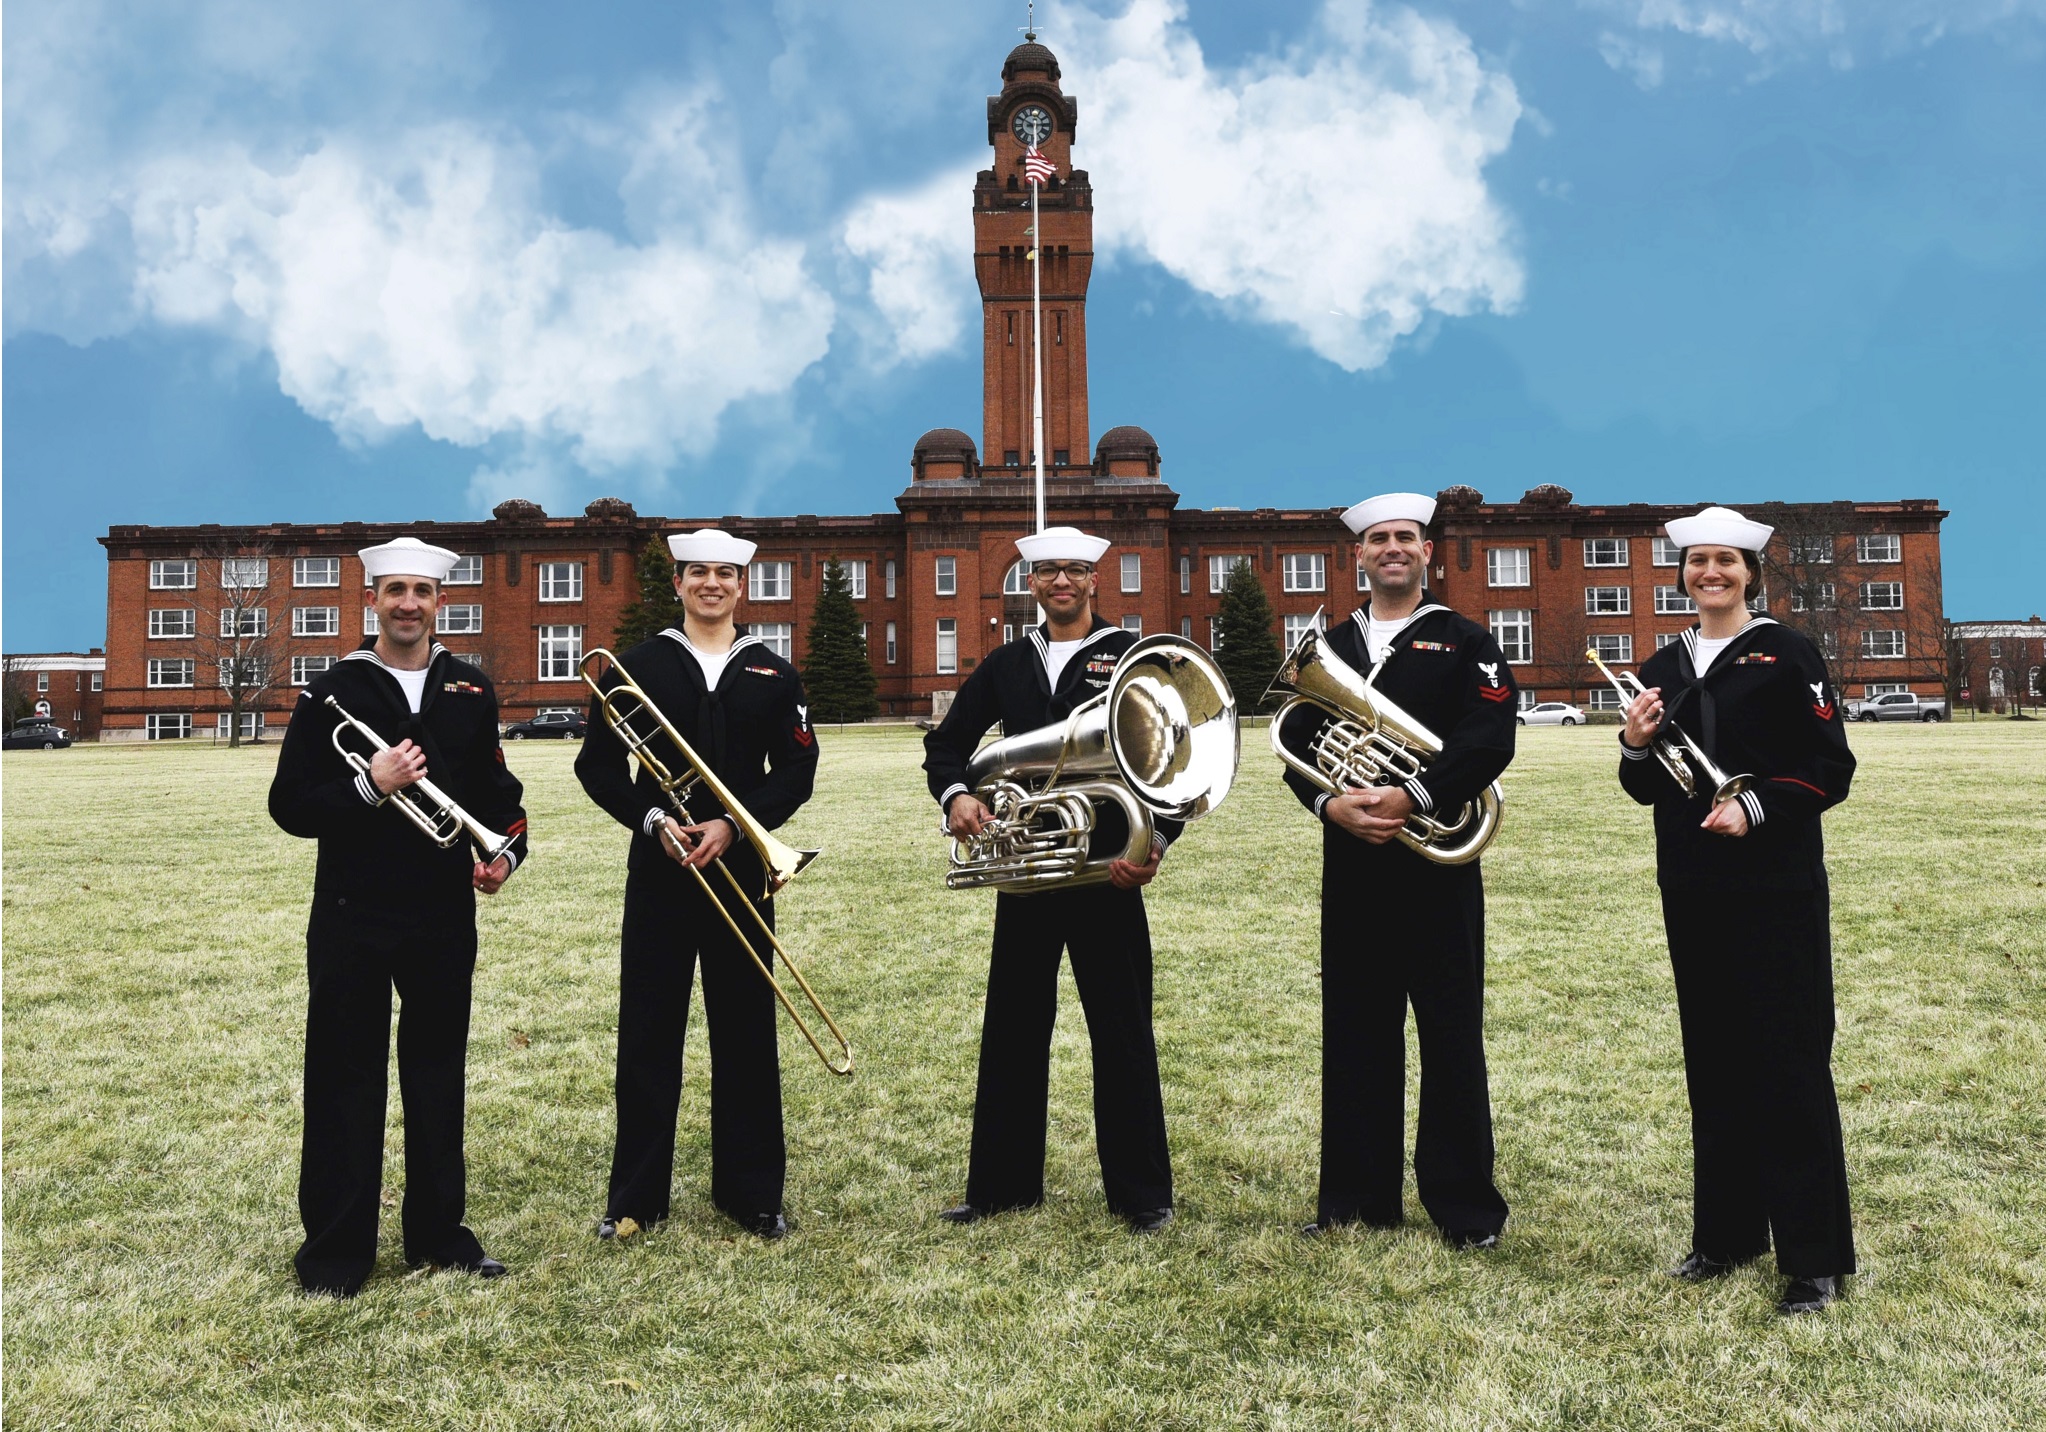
[[1682, 757], [624, 703], [442, 821]]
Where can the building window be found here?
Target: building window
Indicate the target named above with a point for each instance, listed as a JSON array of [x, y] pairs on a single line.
[[1363, 579], [1605, 551], [948, 644], [1299, 626], [1507, 566], [1664, 638], [1673, 602], [466, 620], [251, 724], [1133, 625], [305, 668], [316, 621], [466, 573], [168, 725], [1186, 628], [1882, 643], [948, 576], [241, 574], [856, 578], [1880, 548], [370, 625], [42, 681], [561, 650], [1016, 581], [243, 672], [1882, 596], [1811, 547], [1603, 698], [1514, 631], [1885, 688], [176, 575], [1996, 648], [245, 621], [1825, 596], [98, 680], [315, 571], [1214, 633], [891, 643], [561, 581], [1304, 572], [1219, 569], [771, 582], [1132, 572], [778, 637], [173, 621], [1829, 645], [1662, 552], [888, 578], [1608, 601], [1612, 647], [1185, 576], [1008, 632], [1995, 681]]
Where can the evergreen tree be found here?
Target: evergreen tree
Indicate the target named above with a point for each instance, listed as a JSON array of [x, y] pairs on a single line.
[[1248, 653], [658, 607], [838, 678]]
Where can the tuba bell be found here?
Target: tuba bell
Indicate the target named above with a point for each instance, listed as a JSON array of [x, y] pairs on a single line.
[[1161, 740], [1370, 741]]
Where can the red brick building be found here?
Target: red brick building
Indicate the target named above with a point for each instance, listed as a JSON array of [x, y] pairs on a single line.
[[1999, 664], [936, 580], [64, 685]]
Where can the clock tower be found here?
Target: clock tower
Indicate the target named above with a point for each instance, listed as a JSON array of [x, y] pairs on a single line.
[[1032, 109]]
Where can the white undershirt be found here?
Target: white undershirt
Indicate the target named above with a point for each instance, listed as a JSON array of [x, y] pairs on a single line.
[[712, 662], [1708, 650], [1056, 655], [1378, 637], [413, 683]]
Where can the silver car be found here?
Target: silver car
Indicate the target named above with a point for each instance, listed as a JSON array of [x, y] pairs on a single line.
[[1552, 713]]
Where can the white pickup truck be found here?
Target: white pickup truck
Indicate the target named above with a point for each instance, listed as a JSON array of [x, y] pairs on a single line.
[[1898, 706]]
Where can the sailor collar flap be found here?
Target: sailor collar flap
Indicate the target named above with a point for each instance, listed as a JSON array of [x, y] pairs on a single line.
[[739, 644], [1726, 659], [1362, 618], [1075, 666], [390, 687]]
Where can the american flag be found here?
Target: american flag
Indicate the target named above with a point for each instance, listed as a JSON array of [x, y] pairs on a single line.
[[1036, 168]]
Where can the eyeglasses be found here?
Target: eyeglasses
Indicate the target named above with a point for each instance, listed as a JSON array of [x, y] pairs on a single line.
[[1049, 571]]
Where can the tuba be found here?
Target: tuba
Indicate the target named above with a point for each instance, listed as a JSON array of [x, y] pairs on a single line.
[[1370, 741], [1161, 740], [638, 724], [1682, 757]]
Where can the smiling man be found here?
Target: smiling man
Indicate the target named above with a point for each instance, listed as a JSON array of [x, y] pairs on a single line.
[[391, 909], [1396, 927]]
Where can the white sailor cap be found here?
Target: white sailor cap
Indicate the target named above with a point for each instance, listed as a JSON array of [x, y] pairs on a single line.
[[1390, 507], [409, 557], [1061, 544], [1719, 527], [707, 544]]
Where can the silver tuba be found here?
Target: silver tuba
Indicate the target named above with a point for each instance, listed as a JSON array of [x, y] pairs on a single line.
[[1161, 740], [1370, 741]]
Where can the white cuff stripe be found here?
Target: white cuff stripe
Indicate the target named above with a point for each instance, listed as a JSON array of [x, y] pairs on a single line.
[[1423, 802], [652, 824], [1628, 753], [367, 789], [513, 861], [955, 789], [1752, 804], [1320, 801]]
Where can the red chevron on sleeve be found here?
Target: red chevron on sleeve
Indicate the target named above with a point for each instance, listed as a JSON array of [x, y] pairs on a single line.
[[1495, 693]]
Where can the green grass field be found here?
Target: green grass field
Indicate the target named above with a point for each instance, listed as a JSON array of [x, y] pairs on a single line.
[[154, 993]]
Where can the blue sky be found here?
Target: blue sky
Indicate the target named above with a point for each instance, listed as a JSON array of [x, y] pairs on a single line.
[[404, 260]]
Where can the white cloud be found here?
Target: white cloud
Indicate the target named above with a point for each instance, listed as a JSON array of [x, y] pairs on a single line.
[[1836, 29], [917, 253], [1640, 62], [1336, 189]]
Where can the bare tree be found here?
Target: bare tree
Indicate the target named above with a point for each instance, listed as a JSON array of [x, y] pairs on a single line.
[[236, 640], [1807, 590], [20, 689]]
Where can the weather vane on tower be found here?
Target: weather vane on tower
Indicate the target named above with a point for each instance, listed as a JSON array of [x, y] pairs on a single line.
[[1030, 19]]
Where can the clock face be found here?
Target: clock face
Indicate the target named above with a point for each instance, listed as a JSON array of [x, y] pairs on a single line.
[[1031, 124]]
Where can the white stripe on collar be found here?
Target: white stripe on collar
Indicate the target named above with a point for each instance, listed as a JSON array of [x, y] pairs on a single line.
[[1043, 645], [369, 653], [1690, 634], [1364, 624], [739, 643]]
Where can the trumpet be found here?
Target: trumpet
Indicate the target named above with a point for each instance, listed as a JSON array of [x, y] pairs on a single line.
[[1161, 739], [1370, 741], [1681, 756], [623, 703], [437, 815]]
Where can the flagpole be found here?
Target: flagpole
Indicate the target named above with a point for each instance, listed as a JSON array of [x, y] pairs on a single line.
[[1037, 345]]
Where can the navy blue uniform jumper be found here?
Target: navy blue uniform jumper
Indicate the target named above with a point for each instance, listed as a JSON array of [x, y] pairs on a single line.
[[1108, 935]]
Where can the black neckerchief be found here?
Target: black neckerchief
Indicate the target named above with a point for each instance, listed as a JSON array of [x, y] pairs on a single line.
[[1040, 640], [710, 705], [1687, 667], [411, 724]]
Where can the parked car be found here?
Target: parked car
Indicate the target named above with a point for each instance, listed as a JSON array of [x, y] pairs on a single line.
[[1898, 706], [1552, 713], [35, 733], [564, 724]]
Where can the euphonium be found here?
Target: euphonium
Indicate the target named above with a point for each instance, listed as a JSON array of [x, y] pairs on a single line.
[[622, 704], [423, 803], [1682, 757], [1160, 740], [1370, 741]]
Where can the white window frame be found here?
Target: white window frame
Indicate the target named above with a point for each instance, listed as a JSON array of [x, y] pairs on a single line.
[[167, 726], [303, 669], [1603, 698], [466, 573], [1513, 629], [1214, 634], [469, 623], [1186, 628], [890, 634], [254, 623], [1363, 578], [162, 628], [98, 680], [1304, 572], [252, 725], [1882, 644], [1879, 547], [1297, 624], [1609, 601], [1132, 572], [1662, 552], [1500, 572], [1882, 596], [1185, 576], [777, 637], [316, 621], [945, 576], [42, 683], [948, 645], [561, 650], [1219, 569], [1812, 549], [855, 576], [174, 574], [254, 668], [315, 571], [1829, 644], [1664, 638], [1829, 598], [561, 581], [770, 581], [1605, 552], [888, 578], [1674, 602], [1876, 689], [244, 574], [1616, 646], [1016, 581], [371, 626], [1134, 625]]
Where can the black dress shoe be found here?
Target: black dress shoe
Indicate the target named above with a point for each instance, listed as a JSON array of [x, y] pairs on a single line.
[[768, 1226], [964, 1213], [482, 1265], [1698, 1267], [1808, 1295], [607, 1228], [1470, 1240], [1149, 1220]]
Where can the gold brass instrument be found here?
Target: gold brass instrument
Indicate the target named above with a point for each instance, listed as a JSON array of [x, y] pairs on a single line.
[[1682, 757], [1160, 740], [625, 704], [423, 803], [1370, 741]]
